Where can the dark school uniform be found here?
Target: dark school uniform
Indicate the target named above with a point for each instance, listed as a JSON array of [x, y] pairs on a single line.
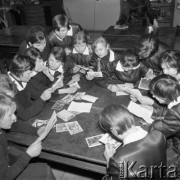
[[132, 76], [20, 169], [26, 106], [55, 40], [39, 83], [104, 65], [44, 53], [75, 58], [149, 152], [168, 122]]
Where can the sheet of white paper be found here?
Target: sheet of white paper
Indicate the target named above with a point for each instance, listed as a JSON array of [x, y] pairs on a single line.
[[121, 93], [56, 83], [89, 98], [65, 115], [95, 74], [135, 92], [48, 128], [140, 112], [80, 107]]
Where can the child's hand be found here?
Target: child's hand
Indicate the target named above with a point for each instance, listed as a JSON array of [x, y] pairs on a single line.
[[76, 77], [46, 95], [45, 70], [41, 130], [133, 98], [109, 151], [113, 88], [76, 69], [88, 76], [150, 74], [67, 51], [34, 149]]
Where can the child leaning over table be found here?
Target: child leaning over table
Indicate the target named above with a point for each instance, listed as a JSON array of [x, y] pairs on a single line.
[[36, 37], [41, 77], [58, 66], [20, 73], [62, 33], [101, 61], [129, 69], [81, 53], [19, 168], [166, 90]]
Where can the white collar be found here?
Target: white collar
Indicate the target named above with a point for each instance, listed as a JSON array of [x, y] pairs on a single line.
[[60, 69], [170, 105], [86, 51], [19, 87], [33, 73], [70, 31], [119, 67], [111, 55], [139, 134]]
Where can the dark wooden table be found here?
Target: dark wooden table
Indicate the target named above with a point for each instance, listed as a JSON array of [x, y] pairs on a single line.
[[69, 149], [122, 40]]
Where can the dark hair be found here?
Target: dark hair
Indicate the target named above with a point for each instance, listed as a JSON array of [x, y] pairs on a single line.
[[147, 44], [59, 21], [35, 34], [129, 59], [6, 102], [117, 115], [20, 64], [172, 58], [58, 53], [33, 53], [165, 87], [80, 37]]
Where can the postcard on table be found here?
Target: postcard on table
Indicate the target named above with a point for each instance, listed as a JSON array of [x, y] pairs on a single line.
[[144, 83], [67, 99], [65, 115], [79, 95], [89, 98], [94, 140], [58, 105], [95, 74], [61, 127], [73, 127], [107, 138], [80, 107]]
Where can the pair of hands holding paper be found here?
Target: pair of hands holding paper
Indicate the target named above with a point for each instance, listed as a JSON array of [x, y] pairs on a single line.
[[35, 148], [145, 101]]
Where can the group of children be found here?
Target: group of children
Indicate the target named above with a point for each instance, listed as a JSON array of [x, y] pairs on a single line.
[[63, 55]]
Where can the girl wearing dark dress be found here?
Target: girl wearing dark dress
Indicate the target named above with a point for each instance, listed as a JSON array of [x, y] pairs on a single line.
[[62, 33], [101, 61], [36, 37], [20, 169]]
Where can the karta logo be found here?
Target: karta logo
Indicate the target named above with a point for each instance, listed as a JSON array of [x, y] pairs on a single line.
[[130, 170]]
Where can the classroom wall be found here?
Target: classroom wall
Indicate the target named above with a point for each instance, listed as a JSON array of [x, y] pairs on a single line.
[[93, 14], [176, 15]]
